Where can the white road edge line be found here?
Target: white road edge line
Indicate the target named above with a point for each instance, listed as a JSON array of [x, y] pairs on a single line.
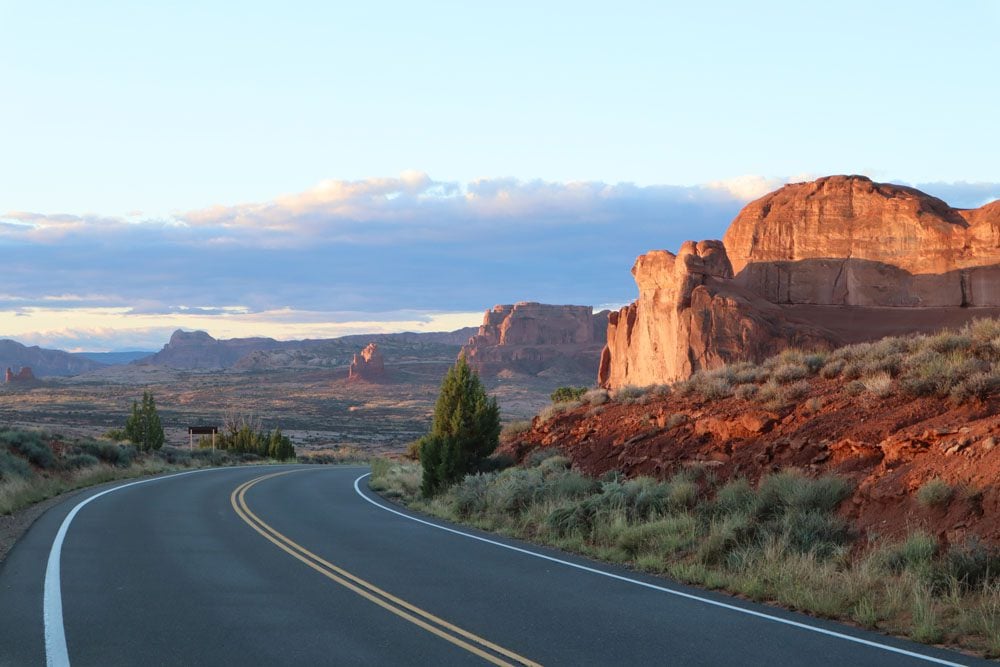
[[56, 653], [662, 589]]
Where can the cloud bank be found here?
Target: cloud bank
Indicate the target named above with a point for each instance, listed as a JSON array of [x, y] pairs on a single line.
[[384, 253]]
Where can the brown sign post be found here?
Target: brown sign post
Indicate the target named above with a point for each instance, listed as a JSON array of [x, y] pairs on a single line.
[[202, 430]]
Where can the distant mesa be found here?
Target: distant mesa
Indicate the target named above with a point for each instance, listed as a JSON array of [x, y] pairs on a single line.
[[532, 338], [368, 365], [821, 264], [43, 362], [23, 375], [198, 350]]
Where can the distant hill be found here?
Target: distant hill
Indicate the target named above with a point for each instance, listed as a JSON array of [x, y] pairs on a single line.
[[199, 350], [44, 363], [114, 358]]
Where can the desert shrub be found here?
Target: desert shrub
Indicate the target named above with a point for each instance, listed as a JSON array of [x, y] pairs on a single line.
[[554, 464], [879, 384], [747, 373], [565, 394], [540, 455], [413, 449], [212, 457], [797, 390], [915, 553], [115, 435], [31, 445], [716, 388], [930, 373], [977, 386], [669, 535], [174, 455], [948, 341], [746, 391], [815, 361], [793, 490], [469, 496], [972, 564], [515, 489], [577, 518], [556, 409], [514, 429], [735, 497], [855, 387], [570, 485], [77, 461], [13, 466], [935, 493], [629, 394], [789, 373], [814, 405], [832, 369], [109, 452], [595, 397]]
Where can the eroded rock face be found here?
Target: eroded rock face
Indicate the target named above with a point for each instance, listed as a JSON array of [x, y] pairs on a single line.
[[691, 315], [818, 264], [531, 338], [845, 240], [368, 364], [23, 375]]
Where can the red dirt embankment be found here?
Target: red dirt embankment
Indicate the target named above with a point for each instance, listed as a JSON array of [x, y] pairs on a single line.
[[888, 446]]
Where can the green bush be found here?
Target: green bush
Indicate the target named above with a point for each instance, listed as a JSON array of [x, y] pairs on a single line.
[[935, 493], [564, 394], [13, 466], [76, 461], [31, 445]]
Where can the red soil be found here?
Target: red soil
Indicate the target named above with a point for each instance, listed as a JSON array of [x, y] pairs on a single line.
[[888, 447]]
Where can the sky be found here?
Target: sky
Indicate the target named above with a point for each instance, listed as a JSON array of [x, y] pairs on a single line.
[[311, 169]]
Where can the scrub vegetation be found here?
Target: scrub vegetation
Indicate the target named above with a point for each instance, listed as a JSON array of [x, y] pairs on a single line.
[[780, 540], [35, 465]]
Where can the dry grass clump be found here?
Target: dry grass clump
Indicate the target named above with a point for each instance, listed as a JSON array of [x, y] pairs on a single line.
[[959, 365], [552, 411]]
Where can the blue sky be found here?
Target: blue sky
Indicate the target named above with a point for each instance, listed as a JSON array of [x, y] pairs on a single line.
[[306, 168]]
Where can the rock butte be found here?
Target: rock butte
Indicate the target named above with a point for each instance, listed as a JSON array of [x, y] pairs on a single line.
[[530, 338], [834, 261], [23, 375], [367, 364]]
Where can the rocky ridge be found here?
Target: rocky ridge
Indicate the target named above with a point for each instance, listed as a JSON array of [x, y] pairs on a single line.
[[532, 338], [820, 264]]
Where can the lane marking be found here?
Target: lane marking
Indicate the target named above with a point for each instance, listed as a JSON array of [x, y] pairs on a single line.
[[663, 589], [367, 590], [56, 653]]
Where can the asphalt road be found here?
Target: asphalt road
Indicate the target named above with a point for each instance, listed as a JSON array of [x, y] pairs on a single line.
[[308, 568]]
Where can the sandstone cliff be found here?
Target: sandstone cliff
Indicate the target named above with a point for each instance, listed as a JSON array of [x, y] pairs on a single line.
[[43, 362], [532, 338], [368, 364], [841, 259]]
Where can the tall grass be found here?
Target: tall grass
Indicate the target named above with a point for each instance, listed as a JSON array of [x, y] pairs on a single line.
[[780, 540]]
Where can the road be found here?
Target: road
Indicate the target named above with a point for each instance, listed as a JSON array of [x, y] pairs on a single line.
[[302, 565]]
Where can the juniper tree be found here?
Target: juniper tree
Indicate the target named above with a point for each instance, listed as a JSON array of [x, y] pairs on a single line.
[[465, 430], [143, 427]]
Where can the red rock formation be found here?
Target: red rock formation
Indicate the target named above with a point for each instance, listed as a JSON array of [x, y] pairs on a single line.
[[691, 315], [24, 375], [845, 240], [368, 364], [837, 260], [531, 338]]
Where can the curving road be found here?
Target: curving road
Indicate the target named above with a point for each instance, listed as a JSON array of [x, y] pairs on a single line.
[[301, 565]]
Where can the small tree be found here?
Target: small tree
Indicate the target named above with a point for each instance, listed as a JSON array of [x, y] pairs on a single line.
[[466, 429], [280, 446], [143, 427]]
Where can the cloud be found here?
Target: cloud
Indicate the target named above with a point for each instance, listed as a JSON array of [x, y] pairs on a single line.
[[409, 245]]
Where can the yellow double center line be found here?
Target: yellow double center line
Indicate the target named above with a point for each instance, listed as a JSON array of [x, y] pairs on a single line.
[[472, 643]]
